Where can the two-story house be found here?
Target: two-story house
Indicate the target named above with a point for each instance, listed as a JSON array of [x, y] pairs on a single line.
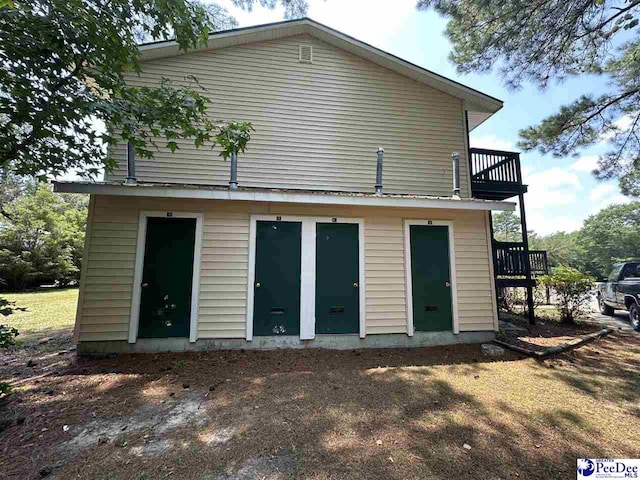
[[328, 239]]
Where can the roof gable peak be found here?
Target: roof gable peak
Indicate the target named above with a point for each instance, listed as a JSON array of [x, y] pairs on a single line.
[[480, 105]]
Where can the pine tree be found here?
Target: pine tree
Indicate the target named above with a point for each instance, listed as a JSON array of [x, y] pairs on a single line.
[[548, 40]]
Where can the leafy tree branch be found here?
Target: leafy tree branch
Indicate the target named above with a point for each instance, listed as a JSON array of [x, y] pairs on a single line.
[[65, 69]]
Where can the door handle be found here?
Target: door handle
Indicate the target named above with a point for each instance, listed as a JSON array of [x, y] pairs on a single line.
[[144, 284], [447, 284], [355, 284], [257, 284]]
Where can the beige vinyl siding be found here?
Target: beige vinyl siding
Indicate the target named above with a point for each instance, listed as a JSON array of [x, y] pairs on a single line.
[[384, 274], [317, 125], [107, 286], [223, 275], [475, 293], [108, 283]]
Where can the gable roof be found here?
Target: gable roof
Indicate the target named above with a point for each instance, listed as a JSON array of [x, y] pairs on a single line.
[[479, 105]]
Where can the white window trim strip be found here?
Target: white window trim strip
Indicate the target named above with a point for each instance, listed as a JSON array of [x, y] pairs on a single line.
[[139, 265], [408, 274], [307, 270]]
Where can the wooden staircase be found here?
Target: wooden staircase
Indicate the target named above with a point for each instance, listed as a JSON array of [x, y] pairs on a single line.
[[497, 175]]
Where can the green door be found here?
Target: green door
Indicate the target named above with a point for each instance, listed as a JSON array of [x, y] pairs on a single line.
[[430, 278], [337, 299], [167, 276], [276, 306]]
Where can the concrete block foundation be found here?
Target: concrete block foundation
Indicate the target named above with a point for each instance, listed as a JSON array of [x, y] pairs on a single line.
[[335, 342]]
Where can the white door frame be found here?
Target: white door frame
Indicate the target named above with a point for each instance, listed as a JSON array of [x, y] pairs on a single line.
[[307, 270], [139, 265], [408, 275]]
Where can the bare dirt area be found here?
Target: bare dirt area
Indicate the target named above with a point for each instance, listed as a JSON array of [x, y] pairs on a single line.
[[546, 333], [443, 412]]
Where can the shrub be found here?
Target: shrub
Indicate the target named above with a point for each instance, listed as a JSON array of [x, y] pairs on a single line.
[[7, 335], [41, 242], [5, 389], [573, 290], [7, 338]]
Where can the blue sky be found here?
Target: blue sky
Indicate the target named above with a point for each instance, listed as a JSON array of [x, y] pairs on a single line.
[[562, 192]]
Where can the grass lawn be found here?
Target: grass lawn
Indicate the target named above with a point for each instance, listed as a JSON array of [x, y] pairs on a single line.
[[47, 313], [319, 414]]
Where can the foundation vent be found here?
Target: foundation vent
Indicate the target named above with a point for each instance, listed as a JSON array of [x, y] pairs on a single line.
[[305, 54]]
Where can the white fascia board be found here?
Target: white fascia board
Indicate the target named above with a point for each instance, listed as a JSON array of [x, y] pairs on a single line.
[[280, 197]]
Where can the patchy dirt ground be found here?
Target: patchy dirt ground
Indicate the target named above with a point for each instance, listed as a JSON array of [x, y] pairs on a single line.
[[387, 414], [545, 334]]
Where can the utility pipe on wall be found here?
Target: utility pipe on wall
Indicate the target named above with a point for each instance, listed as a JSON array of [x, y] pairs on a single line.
[[456, 174], [233, 182], [131, 165], [379, 172]]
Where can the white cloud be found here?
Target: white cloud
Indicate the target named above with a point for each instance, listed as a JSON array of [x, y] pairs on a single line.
[[551, 188], [601, 191], [545, 223], [585, 164], [257, 16], [371, 22], [622, 124], [492, 142], [557, 201], [551, 196], [606, 194]]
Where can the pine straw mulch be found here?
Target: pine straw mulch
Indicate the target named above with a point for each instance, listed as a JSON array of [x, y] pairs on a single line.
[[318, 414]]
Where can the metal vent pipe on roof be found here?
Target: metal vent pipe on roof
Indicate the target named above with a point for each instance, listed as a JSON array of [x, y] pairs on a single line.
[[379, 172], [131, 165], [456, 174], [233, 182]]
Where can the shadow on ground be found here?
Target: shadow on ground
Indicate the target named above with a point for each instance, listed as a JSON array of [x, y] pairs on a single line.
[[391, 414], [546, 333]]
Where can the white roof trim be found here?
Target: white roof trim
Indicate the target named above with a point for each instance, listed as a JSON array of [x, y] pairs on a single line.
[[309, 198], [475, 101]]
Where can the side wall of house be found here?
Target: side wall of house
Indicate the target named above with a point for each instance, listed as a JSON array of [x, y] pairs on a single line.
[[105, 308], [317, 126]]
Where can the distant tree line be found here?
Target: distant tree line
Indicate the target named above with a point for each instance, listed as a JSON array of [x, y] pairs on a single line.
[[41, 235], [609, 236]]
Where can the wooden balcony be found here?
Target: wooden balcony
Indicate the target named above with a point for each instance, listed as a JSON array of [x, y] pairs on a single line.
[[510, 260], [495, 174], [509, 264]]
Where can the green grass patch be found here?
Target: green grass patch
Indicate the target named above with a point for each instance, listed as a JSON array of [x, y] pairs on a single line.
[[46, 313]]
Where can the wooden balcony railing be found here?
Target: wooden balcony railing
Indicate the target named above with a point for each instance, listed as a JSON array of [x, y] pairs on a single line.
[[495, 174], [510, 260], [495, 166], [539, 263]]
